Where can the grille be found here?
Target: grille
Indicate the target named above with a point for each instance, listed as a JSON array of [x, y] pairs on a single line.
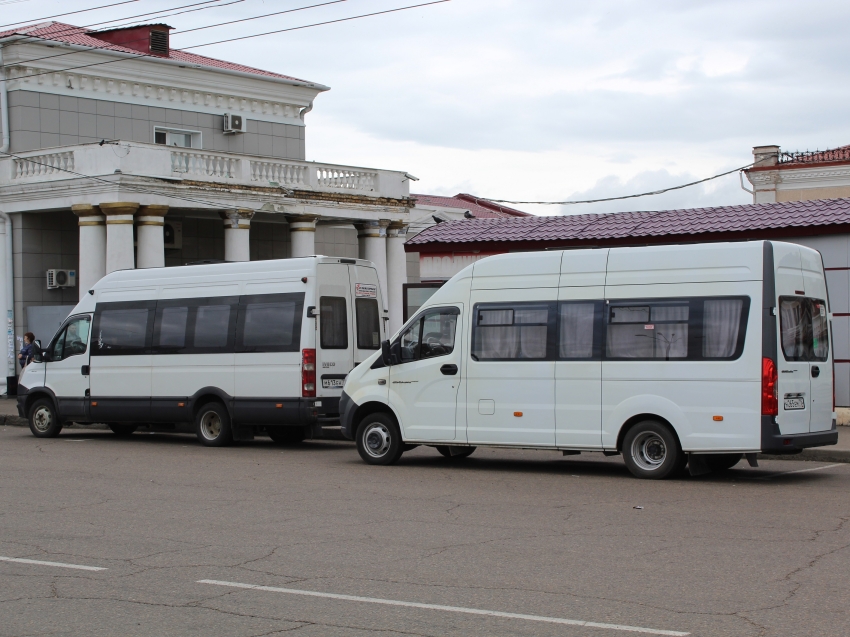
[[159, 42]]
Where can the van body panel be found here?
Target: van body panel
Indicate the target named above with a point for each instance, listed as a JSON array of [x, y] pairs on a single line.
[[121, 388], [821, 381], [583, 267], [183, 375], [334, 359], [516, 270], [684, 264]]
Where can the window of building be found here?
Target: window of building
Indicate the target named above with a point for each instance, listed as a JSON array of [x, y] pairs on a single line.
[[177, 137], [368, 324], [333, 321], [270, 323], [515, 332], [804, 328]]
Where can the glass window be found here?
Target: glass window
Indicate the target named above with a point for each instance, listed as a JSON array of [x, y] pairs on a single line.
[[333, 319], [368, 324], [72, 340], [171, 328], [212, 326], [271, 322], [576, 333], [410, 342], [655, 330], [438, 334], [804, 329], [721, 323], [121, 331], [519, 332]]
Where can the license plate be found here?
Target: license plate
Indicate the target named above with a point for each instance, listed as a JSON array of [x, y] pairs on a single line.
[[331, 383], [795, 403]]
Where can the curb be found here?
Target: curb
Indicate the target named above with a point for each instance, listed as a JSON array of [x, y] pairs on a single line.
[[821, 454]]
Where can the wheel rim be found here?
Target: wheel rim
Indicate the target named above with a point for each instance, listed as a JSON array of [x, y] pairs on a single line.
[[377, 440], [649, 451], [210, 425], [42, 419]]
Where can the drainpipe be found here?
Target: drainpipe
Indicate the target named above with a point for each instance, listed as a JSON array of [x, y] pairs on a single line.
[[10, 261]]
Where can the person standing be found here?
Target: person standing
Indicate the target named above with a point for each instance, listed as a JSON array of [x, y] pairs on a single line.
[[25, 357]]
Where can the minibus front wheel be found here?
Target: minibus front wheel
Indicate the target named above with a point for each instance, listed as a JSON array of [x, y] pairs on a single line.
[[212, 425], [379, 439], [43, 420], [651, 450]]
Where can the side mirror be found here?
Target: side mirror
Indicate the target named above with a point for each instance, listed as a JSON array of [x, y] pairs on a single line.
[[38, 354], [386, 353]]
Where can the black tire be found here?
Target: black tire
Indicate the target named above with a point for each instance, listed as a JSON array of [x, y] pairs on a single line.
[[212, 425], [722, 461], [379, 439], [651, 451], [286, 435], [455, 453], [43, 419], [123, 431]]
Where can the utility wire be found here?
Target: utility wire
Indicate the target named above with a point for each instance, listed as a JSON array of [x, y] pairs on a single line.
[[59, 15], [142, 55], [257, 17], [643, 194]]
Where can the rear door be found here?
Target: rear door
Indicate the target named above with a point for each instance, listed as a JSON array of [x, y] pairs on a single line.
[[369, 323], [792, 364], [335, 337], [820, 367]]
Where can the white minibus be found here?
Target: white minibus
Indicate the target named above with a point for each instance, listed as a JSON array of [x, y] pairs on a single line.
[[227, 350], [668, 355]]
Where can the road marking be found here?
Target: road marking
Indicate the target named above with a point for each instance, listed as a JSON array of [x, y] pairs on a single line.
[[451, 609], [785, 473], [80, 567]]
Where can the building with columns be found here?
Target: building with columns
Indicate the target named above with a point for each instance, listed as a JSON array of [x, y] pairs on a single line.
[[119, 152]]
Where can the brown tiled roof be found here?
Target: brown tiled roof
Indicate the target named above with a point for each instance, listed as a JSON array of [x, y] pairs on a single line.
[[60, 32], [629, 225], [479, 208]]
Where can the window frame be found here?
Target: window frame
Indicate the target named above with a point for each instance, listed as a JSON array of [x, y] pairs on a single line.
[[193, 304], [101, 307], [810, 358], [249, 299], [419, 318], [322, 323], [196, 135], [552, 336], [357, 303]]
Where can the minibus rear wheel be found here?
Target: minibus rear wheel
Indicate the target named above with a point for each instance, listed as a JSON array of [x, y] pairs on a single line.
[[212, 424], [43, 421], [651, 451], [379, 439]]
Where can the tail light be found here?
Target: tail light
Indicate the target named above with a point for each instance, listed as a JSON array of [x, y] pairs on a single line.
[[769, 389], [308, 373]]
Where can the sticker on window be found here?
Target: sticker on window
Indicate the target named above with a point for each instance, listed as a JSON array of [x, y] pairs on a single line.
[[366, 290], [649, 327]]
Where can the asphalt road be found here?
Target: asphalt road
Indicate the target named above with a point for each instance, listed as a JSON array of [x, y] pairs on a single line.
[[180, 531]]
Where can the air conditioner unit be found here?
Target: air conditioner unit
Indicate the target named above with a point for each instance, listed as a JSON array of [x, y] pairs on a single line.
[[233, 124], [61, 279]]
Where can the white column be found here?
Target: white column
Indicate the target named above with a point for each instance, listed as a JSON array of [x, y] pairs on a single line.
[[237, 234], [150, 237], [373, 247], [302, 236], [396, 273], [92, 267], [119, 235]]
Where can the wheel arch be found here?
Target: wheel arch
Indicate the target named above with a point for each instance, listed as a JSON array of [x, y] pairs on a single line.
[[371, 407], [631, 422], [38, 393], [207, 395]]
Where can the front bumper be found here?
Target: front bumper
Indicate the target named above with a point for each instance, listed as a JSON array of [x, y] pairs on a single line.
[[773, 442], [347, 409]]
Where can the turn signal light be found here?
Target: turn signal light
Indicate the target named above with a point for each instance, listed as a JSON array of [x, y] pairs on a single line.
[[308, 373], [717, 418], [769, 388], [518, 414]]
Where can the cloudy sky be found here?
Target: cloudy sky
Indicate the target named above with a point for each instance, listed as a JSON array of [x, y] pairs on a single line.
[[544, 99]]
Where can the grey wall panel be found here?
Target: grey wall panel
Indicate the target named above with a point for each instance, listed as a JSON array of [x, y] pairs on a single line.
[[834, 248], [838, 285], [92, 120], [842, 384], [841, 337]]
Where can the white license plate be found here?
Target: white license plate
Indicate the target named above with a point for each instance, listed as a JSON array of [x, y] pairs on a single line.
[[330, 383], [795, 403]]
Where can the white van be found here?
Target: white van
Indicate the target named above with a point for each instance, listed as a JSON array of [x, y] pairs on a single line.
[[227, 349], [666, 355]]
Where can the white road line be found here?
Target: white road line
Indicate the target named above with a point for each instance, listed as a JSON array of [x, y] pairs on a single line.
[[451, 609], [785, 473], [80, 567]]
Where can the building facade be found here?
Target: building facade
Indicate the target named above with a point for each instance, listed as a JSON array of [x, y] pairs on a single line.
[[120, 152]]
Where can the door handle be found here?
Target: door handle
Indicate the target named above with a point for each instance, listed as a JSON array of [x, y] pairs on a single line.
[[815, 371], [84, 370], [449, 369]]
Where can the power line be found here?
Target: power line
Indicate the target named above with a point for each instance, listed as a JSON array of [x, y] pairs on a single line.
[[59, 15], [643, 194], [318, 24], [142, 55], [266, 15]]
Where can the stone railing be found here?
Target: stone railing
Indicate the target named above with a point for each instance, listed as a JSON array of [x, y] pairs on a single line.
[[43, 165], [185, 164]]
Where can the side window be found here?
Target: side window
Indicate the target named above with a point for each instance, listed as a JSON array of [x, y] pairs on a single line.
[[721, 325], [649, 330], [170, 331], [270, 323], [121, 328], [212, 327], [516, 332], [410, 342], [578, 336], [438, 333], [76, 337], [58, 344], [333, 319], [368, 324], [803, 326]]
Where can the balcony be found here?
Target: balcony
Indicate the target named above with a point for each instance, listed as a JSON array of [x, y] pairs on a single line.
[[191, 165]]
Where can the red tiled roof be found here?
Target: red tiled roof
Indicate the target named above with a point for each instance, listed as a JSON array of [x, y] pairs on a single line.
[[840, 154], [60, 32], [479, 208], [628, 225]]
